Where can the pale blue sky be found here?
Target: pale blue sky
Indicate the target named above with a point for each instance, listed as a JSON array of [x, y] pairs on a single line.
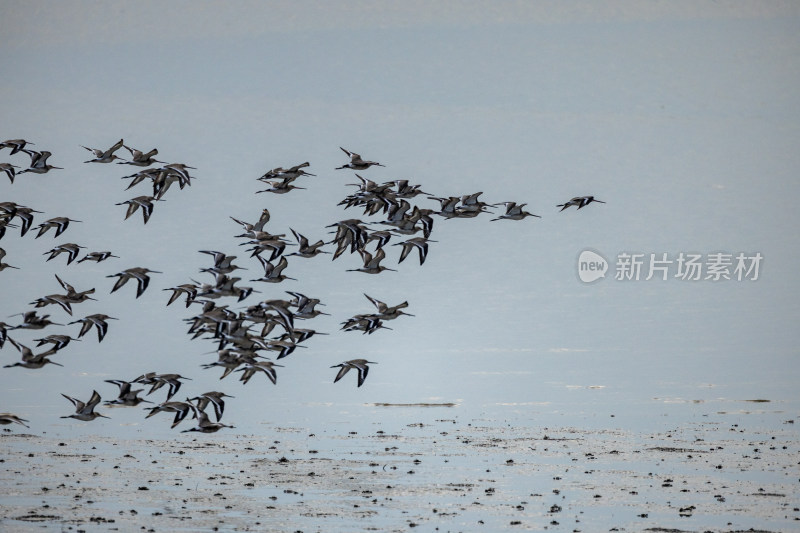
[[682, 116]]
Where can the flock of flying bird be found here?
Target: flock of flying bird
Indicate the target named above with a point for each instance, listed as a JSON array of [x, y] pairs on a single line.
[[239, 348]]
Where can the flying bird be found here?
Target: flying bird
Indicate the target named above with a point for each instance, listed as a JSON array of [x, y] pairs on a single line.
[[580, 201], [97, 320], [213, 397], [8, 168], [514, 211], [39, 163], [420, 243], [139, 158], [104, 156], [84, 411], [181, 409], [97, 256], [10, 418], [59, 223], [126, 396], [15, 145], [372, 262], [140, 274], [3, 266], [204, 425], [29, 359], [356, 162], [359, 364], [145, 202], [70, 248]]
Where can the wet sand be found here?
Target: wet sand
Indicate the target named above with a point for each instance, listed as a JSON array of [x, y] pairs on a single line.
[[441, 475]]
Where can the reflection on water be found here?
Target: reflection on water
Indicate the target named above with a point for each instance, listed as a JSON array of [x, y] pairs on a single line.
[[547, 390]]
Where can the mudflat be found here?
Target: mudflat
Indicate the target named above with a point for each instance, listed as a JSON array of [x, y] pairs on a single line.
[[443, 474]]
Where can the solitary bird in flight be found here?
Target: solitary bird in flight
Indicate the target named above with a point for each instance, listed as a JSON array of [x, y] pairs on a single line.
[[358, 364], [580, 201], [356, 163]]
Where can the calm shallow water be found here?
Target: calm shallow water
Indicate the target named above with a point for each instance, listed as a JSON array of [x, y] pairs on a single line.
[[532, 390]]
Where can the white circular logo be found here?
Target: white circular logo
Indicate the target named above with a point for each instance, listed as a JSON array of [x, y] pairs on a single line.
[[591, 266]]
